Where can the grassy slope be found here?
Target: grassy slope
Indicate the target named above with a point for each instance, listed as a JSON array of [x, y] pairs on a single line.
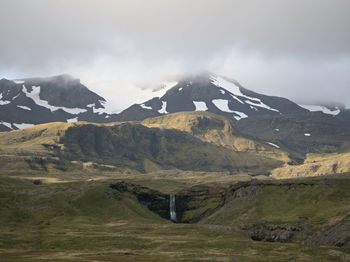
[[214, 129], [317, 203], [122, 146], [87, 221]]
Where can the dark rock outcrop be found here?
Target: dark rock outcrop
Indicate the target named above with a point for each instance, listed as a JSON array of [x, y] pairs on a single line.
[[272, 233]]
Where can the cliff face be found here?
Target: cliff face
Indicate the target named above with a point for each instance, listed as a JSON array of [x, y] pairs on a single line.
[[263, 211]]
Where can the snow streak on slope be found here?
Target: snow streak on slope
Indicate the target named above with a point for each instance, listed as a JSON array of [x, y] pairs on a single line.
[[146, 107], [6, 124], [222, 104], [35, 96], [325, 110], [240, 115], [272, 144], [24, 107], [163, 109], [200, 105], [3, 102], [236, 92]]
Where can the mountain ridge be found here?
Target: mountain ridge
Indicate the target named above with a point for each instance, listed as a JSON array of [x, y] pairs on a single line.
[[30, 101]]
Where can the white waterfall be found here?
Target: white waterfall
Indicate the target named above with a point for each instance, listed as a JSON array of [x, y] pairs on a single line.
[[172, 208]]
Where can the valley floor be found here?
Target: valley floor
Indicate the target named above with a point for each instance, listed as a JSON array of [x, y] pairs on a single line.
[[77, 218]]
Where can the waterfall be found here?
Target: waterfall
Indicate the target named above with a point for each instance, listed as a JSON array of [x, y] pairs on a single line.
[[172, 208]]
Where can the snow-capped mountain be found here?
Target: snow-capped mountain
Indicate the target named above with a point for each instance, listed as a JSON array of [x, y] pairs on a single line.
[[63, 98], [212, 93], [33, 101]]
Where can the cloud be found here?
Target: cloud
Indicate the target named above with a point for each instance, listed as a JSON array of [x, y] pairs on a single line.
[[294, 48]]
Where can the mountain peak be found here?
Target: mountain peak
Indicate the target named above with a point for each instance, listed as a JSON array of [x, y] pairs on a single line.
[[210, 92]]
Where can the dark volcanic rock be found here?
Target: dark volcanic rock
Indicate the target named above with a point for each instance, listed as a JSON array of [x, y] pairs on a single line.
[[215, 92], [54, 99], [272, 233]]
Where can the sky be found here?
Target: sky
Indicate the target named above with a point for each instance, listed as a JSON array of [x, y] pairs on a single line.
[[299, 49]]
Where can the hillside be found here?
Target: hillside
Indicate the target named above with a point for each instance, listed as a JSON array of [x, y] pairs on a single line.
[[126, 146], [310, 133], [214, 129], [184, 140]]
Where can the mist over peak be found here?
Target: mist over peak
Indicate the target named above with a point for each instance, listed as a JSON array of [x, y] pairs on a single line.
[[296, 49]]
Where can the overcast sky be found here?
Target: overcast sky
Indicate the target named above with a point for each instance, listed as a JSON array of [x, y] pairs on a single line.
[[299, 49]]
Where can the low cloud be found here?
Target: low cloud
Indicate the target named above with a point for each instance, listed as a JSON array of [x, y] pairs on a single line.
[[294, 48]]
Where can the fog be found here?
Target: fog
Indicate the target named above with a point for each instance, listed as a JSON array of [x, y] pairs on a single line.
[[294, 48]]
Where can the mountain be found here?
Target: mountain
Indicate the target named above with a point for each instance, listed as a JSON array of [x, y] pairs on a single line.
[[215, 94], [62, 98], [27, 102]]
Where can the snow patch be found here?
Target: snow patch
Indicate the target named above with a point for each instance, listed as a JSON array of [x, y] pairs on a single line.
[[200, 106], [35, 96], [163, 109], [254, 108], [146, 107], [272, 144], [277, 130], [159, 92], [239, 100], [24, 107], [222, 104], [23, 125], [234, 89], [307, 134], [240, 115], [99, 111], [261, 104], [325, 110], [180, 89], [18, 81], [16, 96], [107, 108], [6, 124], [230, 86], [72, 120], [222, 91], [3, 102]]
